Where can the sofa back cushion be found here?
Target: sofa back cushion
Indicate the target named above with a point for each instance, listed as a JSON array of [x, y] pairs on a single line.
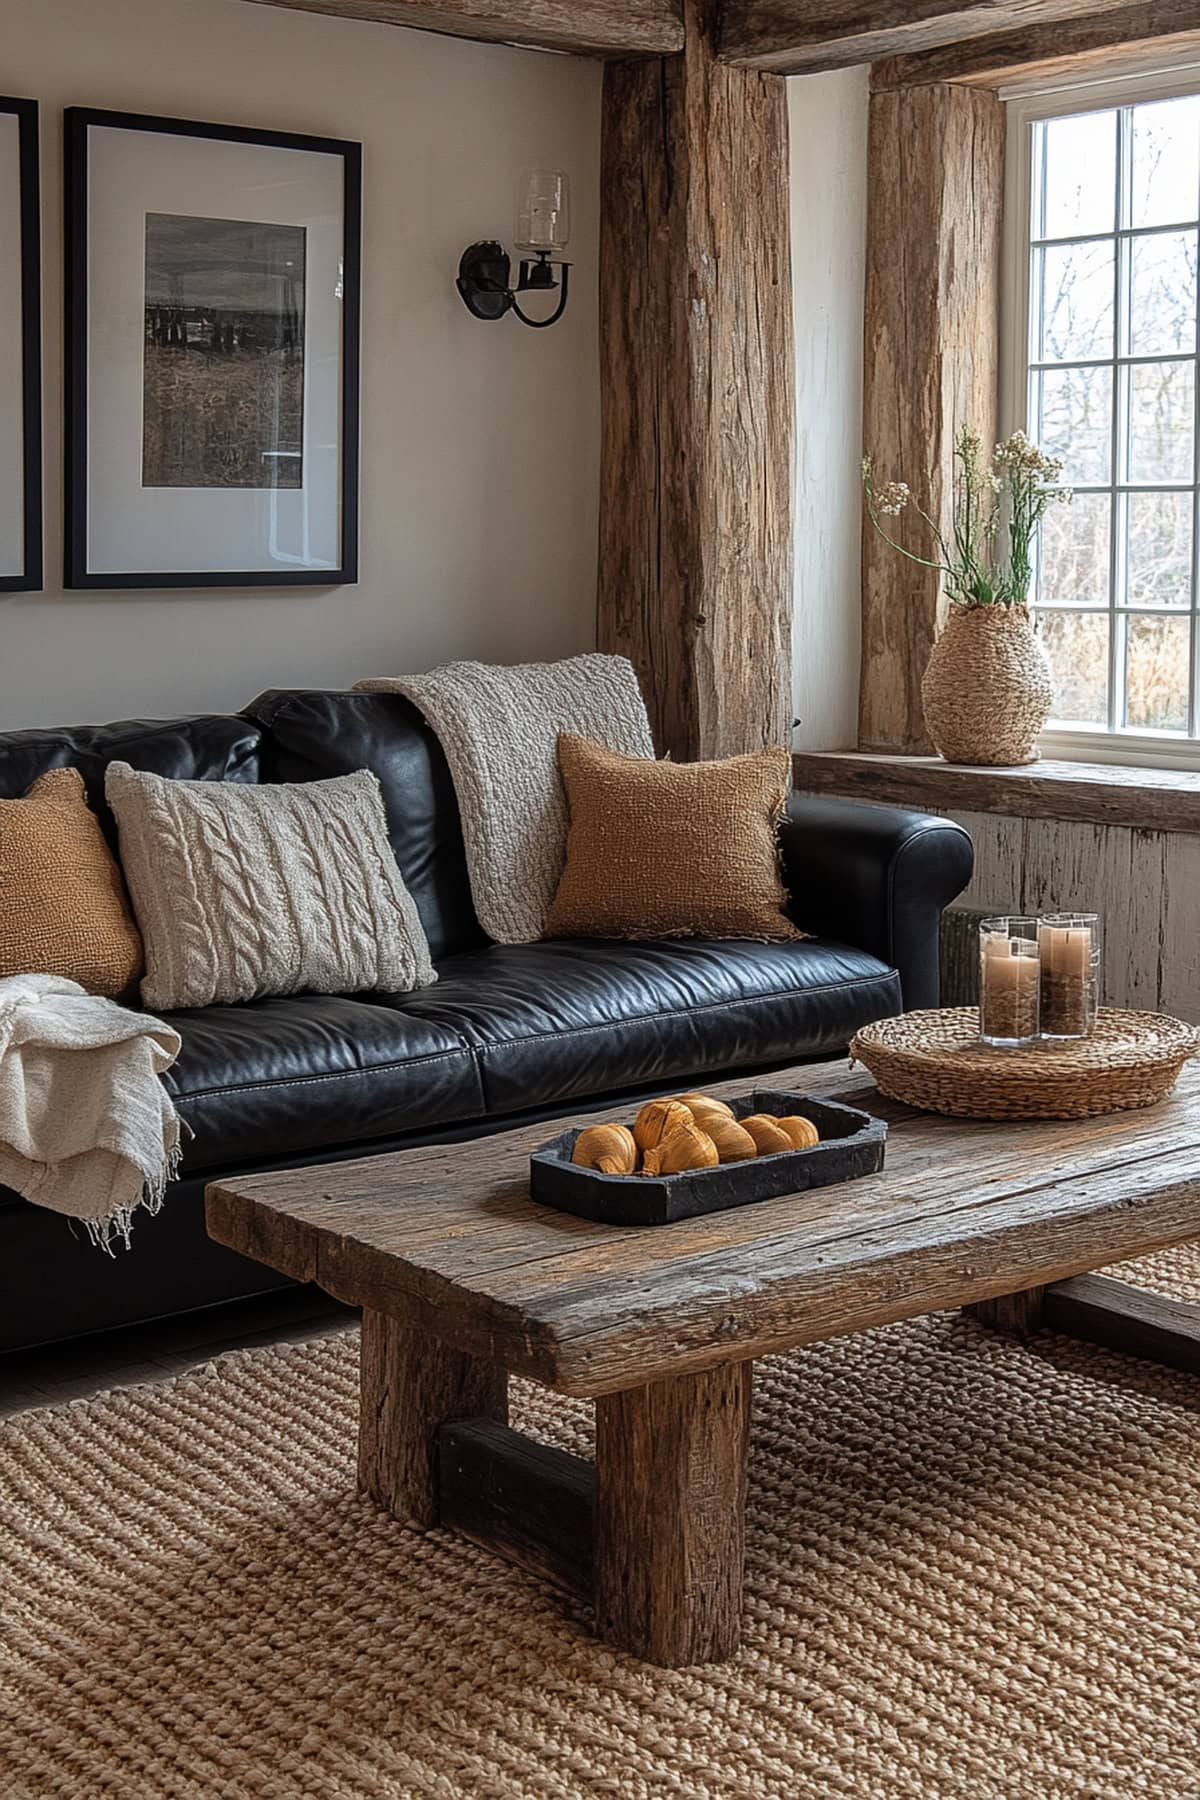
[[310, 735], [212, 747]]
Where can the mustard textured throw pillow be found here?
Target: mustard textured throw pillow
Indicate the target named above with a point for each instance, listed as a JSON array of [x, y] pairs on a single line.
[[62, 904], [662, 849]]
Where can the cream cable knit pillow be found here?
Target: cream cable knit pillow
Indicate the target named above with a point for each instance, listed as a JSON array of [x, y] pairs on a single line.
[[245, 891]]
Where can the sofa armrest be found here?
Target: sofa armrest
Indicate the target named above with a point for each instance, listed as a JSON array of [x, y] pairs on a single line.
[[877, 878]]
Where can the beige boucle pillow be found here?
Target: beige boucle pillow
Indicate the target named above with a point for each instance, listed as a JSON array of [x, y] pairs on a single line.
[[662, 849], [243, 891]]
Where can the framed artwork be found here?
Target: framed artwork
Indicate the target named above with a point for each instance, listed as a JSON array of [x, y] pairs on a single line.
[[212, 315], [20, 350]]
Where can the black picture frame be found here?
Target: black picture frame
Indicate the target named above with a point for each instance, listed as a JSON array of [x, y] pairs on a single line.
[[77, 122], [31, 577]]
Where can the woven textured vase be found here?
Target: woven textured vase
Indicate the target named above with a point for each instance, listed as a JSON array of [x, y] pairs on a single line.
[[988, 688]]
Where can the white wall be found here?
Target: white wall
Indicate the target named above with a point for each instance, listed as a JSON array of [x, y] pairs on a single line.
[[479, 441], [828, 119]]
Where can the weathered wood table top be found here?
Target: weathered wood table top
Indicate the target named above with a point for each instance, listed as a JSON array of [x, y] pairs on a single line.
[[961, 1212]]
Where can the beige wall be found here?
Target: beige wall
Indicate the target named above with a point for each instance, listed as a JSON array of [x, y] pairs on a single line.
[[479, 442], [828, 120]]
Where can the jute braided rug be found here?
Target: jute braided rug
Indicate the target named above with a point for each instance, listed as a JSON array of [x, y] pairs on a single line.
[[973, 1575]]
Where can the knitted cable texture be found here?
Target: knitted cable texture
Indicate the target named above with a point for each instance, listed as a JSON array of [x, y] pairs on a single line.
[[244, 891]]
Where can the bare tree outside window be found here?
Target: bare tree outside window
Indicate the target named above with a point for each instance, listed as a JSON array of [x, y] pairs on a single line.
[[1114, 334]]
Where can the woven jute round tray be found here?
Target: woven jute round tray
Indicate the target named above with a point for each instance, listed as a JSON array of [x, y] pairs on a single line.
[[934, 1060]]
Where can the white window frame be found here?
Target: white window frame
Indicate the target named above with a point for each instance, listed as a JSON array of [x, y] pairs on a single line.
[[1028, 103]]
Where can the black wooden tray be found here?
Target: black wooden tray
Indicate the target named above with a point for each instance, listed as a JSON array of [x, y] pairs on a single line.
[[852, 1144]]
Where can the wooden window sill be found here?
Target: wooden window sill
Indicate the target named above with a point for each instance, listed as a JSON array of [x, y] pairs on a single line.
[[1096, 793]]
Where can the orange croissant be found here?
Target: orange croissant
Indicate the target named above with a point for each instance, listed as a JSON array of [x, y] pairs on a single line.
[[766, 1133], [802, 1132], [608, 1148], [657, 1120], [733, 1141], [685, 1148]]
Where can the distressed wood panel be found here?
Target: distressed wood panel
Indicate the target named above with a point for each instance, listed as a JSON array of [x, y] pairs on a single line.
[[697, 380], [936, 183], [1144, 884], [589, 27], [1099, 39], [1179, 932], [798, 37], [997, 882]]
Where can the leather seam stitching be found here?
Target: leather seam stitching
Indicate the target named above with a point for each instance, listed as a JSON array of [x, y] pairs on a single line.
[[475, 1052], [399, 1062], [829, 987]]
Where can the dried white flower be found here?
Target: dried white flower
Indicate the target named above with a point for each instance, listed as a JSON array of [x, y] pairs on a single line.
[[892, 498]]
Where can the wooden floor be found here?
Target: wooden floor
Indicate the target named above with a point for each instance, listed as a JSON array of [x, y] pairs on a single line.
[[168, 1347]]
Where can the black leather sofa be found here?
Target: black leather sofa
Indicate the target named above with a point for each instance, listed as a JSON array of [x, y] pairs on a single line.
[[506, 1034]]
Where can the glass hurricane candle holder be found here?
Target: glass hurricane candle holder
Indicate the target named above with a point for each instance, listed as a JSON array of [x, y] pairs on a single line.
[[1009, 982], [1071, 973]]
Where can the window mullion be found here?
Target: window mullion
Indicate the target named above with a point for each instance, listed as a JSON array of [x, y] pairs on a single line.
[[1118, 469]]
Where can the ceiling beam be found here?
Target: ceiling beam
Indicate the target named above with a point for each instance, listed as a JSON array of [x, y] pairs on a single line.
[[584, 27], [800, 37], [1141, 29]]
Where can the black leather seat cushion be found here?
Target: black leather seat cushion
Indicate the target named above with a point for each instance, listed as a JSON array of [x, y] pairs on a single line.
[[548, 1021], [280, 1076]]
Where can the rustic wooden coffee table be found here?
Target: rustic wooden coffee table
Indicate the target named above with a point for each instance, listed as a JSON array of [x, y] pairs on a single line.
[[463, 1282]]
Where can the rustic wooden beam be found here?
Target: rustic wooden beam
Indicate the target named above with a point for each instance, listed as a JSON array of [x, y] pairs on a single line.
[[697, 362], [1137, 1321], [1101, 1309], [936, 189], [1091, 793], [1096, 41], [530, 1503], [799, 37], [587, 27]]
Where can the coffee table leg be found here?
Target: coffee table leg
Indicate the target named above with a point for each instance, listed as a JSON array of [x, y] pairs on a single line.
[[410, 1384], [1018, 1314], [670, 1516]]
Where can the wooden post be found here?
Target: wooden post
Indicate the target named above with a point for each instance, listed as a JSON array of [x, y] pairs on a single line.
[[1019, 1315], [670, 1515], [936, 189], [410, 1385], [697, 364]]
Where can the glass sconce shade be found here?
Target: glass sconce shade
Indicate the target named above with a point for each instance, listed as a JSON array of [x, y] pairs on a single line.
[[544, 213]]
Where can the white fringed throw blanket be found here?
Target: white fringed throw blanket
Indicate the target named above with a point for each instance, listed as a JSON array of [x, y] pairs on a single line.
[[499, 728], [86, 1126]]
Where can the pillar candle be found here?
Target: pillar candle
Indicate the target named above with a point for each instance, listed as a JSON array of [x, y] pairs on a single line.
[[1066, 979], [1009, 990]]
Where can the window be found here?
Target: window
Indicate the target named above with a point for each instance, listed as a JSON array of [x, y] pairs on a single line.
[[1104, 343]]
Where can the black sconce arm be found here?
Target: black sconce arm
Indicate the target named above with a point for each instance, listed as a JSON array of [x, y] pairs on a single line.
[[484, 281]]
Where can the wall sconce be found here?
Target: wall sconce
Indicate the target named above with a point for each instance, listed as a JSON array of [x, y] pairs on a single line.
[[543, 229]]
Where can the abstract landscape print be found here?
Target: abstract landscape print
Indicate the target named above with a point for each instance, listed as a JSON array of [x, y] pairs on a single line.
[[223, 369]]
